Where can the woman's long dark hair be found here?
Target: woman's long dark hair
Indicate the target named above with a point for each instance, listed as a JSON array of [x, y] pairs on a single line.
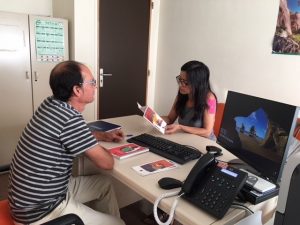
[[198, 79]]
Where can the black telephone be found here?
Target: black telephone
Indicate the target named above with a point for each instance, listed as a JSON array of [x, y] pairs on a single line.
[[211, 187]]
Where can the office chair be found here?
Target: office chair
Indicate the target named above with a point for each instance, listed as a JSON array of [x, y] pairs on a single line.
[[218, 118], [6, 219], [5, 216]]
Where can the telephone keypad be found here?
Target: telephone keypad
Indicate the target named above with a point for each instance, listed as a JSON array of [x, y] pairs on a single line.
[[216, 192]]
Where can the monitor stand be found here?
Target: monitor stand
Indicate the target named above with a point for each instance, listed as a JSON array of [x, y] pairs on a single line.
[[239, 164]]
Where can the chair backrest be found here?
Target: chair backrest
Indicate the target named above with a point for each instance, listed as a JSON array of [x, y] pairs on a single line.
[[218, 118], [5, 217]]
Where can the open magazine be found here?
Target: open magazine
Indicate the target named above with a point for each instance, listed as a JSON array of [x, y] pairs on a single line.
[[151, 116]]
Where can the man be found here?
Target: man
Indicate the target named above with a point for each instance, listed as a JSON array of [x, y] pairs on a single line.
[[40, 184]]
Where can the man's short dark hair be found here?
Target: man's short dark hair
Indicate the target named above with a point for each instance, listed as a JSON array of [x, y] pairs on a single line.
[[63, 77]]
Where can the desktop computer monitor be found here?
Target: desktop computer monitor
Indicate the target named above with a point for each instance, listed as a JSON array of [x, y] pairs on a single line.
[[258, 131]]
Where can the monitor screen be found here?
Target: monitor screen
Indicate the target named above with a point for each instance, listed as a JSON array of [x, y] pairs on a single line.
[[257, 131]]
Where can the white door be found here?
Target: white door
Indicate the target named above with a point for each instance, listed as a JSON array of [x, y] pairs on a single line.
[[49, 46], [15, 81]]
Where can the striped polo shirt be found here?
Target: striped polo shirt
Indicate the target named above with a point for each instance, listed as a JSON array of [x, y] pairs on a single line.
[[42, 163]]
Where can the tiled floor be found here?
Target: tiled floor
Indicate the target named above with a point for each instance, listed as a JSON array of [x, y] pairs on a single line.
[[133, 215]]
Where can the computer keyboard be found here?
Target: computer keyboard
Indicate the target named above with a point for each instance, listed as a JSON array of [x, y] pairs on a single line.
[[168, 149]]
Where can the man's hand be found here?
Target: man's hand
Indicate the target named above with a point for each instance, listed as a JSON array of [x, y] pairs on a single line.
[[112, 136]]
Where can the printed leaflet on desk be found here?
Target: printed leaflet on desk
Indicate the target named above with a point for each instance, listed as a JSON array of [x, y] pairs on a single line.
[[128, 150], [155, 167], [151, 116]]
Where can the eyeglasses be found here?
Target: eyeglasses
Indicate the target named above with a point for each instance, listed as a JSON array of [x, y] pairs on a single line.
[[91, 82], [181, 81]]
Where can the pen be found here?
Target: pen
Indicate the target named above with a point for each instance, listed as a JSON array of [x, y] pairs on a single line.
[[129, 135]]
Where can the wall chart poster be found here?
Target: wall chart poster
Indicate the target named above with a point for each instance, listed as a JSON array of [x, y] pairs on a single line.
[[49, 38], [287, 35]]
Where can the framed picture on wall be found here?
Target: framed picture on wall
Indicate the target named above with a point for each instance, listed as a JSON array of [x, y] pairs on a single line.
[[287, 34]]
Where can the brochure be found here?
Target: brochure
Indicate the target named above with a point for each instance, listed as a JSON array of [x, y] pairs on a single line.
[[100, 125], [128, 150], [155, 167], [151, 116]]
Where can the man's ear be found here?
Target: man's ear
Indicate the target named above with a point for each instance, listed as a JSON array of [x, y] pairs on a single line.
[[77, 90]]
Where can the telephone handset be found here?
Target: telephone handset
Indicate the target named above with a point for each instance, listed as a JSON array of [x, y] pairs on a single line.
[[208, 187], [198, 171], [211, 187]]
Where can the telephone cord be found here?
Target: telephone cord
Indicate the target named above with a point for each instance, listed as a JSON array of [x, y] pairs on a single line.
[[241, 206], [172, 211]]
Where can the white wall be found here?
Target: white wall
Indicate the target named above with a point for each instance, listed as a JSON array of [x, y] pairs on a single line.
[[234, 38], [86, 43], [153, 41], [83, 33], [65, 9], [35, 7]]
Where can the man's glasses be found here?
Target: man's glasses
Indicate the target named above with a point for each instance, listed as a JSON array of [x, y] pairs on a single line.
[[181, 81], [91, 82]]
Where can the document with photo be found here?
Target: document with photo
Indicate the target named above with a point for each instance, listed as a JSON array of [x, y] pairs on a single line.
[[127, 150], [155, 167], [151, 116]]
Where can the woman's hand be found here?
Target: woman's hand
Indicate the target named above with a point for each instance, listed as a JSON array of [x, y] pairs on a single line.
[[172, 128], [112, 136]]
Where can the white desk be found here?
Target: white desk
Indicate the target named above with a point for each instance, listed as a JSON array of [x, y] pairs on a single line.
[[148, 188]]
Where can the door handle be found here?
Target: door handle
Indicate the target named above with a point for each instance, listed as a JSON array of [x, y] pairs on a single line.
[[102, 74], [36, 76], [27, 75]]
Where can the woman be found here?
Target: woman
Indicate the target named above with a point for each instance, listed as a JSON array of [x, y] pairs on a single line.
[[195, 104]]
